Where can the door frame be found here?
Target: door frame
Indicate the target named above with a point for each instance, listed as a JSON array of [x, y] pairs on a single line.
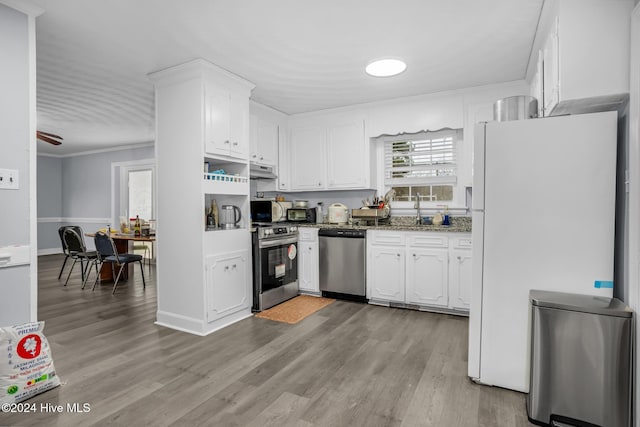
[[118, 169]]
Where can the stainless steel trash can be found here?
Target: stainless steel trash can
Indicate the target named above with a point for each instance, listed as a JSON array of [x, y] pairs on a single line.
[[580, 360]]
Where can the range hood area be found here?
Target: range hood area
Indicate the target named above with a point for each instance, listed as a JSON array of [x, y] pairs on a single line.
[[257, 171]]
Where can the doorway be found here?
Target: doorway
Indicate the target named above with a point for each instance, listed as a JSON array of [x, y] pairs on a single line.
[[134, 194]]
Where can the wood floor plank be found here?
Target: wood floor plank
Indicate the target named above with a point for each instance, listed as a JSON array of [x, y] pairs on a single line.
[[349, 364]]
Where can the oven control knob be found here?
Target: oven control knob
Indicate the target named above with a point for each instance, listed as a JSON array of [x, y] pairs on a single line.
[[294, 228], [268, 231]]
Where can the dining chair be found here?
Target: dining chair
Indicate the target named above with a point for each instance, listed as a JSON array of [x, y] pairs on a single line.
[[72, 237], [65, 249], [143, 247], [107, 253]]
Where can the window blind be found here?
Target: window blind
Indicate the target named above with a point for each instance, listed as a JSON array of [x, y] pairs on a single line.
[[422, 158]]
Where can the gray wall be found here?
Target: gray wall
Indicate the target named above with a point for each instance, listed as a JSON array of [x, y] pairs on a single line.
[[84, 196], [49, 201], [15, 282]]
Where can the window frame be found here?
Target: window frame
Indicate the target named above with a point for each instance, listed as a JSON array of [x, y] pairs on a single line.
[[400, 206]]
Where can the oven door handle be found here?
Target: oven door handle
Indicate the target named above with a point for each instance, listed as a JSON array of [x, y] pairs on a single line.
[[277, 242]]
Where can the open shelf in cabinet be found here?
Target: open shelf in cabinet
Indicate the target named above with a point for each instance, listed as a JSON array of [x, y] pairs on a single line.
[[241, 201], [225, 177]]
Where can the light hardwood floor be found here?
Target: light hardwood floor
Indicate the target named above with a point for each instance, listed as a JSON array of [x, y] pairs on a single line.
[[349, 364]]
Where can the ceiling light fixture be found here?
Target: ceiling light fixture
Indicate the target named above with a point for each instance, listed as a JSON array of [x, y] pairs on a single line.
[[385, 67]]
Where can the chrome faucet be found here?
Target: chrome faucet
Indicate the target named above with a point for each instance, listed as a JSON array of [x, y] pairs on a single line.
[[418, 217]]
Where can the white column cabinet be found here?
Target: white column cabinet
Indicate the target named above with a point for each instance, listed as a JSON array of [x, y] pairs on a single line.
[[308, 261], [427, 277], [202, 120]]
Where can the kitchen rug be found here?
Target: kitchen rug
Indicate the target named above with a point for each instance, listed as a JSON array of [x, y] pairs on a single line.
[[295, 309]]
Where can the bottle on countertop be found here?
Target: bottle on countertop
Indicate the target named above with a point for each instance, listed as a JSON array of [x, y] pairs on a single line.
[[209, 218], [319, 214], [445, 217], [214, 212], [138, 227]]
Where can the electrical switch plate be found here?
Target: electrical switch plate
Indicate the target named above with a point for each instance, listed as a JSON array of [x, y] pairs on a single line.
[[9, 179]]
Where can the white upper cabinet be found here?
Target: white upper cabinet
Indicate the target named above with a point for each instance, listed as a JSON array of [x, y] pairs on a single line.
[[327, 153], [585, 55], [347, 156], [307, 158], [226, 122], [550, 72], [264, 141]]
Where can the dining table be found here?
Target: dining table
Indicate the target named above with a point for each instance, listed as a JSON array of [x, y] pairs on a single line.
[[124, 244]]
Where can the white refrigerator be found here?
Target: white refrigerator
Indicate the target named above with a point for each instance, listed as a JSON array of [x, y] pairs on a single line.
[[543, 218]]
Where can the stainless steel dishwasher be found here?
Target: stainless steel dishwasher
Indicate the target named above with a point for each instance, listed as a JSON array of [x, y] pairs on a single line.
[[343, 263]]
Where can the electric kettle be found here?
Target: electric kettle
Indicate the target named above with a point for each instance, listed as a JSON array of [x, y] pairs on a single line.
[[229, 216]]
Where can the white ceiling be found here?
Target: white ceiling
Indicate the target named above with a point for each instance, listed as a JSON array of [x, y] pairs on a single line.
[[93, 56]]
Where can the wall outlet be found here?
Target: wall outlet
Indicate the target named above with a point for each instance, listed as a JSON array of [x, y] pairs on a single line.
[[9, 179]]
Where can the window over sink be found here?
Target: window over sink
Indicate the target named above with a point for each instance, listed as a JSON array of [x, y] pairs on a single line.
[[423, 164]]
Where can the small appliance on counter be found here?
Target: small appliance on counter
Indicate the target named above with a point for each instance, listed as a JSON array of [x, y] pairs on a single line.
[[338, 214], [302, 215], [230, 216], [269, 210]]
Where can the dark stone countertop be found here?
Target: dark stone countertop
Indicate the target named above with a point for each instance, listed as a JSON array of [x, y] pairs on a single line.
[[458, 225]]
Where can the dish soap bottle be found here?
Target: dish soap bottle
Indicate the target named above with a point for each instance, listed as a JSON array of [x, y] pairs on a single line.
[[445, 218]]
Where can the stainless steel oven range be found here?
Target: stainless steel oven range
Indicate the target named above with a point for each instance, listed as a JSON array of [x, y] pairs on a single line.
[[275, 264]]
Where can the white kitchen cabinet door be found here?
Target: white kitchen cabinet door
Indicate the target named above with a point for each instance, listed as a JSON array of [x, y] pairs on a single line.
[[427, 277], [218, 121], [536, 88], [308, 267], [551, 72], [239, 126], [266, 150], [347, 156], [226, 281], [460, 279], [386, 273], [307, 158]]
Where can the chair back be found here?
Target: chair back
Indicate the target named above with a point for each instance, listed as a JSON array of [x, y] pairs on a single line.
[[74, 240], [104, 245], [61, 230]]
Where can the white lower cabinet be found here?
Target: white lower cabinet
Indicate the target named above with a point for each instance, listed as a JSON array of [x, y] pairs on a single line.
[[460, 274], [227, 291], [385, 275], [427, 277], [430, 270], [308, 261]]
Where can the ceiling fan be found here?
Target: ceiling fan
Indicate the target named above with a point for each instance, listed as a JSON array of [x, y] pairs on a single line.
[[49, 137]]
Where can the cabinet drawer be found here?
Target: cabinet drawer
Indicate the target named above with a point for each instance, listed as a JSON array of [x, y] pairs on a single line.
[[307, 234], [427, 240], [385, 238], [462, 242]]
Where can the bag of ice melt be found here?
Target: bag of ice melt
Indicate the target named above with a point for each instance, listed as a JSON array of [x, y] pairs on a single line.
[[26, 365]]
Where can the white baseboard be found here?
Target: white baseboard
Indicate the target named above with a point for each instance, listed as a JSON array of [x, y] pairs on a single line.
[[51, 251]]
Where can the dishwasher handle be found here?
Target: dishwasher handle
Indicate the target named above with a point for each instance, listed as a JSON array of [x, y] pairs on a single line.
[[341, 232]]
